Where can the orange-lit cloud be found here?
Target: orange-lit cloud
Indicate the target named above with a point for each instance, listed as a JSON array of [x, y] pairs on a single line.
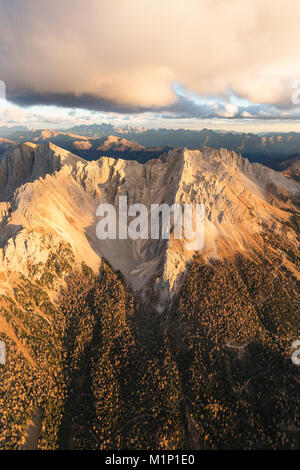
[[126, 55]]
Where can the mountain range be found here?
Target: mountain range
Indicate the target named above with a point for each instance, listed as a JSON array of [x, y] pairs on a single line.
[[141, 144], [143, 343]]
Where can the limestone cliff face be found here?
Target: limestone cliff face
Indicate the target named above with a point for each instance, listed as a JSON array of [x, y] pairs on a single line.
[[49, 197], [22, 164]]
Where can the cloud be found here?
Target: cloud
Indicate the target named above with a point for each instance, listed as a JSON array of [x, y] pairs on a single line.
[[84, 100], [125, 55]]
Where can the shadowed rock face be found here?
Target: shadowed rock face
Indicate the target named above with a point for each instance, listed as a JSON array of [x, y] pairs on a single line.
[[290, 167], [23, 164], [5, 144]]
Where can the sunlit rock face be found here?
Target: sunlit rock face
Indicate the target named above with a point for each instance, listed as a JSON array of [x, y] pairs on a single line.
[[49, 197]]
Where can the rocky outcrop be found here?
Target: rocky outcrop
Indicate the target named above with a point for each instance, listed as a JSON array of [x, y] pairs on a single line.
[[53, 196]]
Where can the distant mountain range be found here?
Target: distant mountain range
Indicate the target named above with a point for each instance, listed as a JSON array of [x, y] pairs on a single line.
[[259, 148], [141, 144], [5, 131], [90, 148]]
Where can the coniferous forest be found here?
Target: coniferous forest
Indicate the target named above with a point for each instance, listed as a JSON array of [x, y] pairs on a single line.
[[98, 369]]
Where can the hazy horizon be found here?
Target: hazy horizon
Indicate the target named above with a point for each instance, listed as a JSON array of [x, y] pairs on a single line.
[[270, 128]]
